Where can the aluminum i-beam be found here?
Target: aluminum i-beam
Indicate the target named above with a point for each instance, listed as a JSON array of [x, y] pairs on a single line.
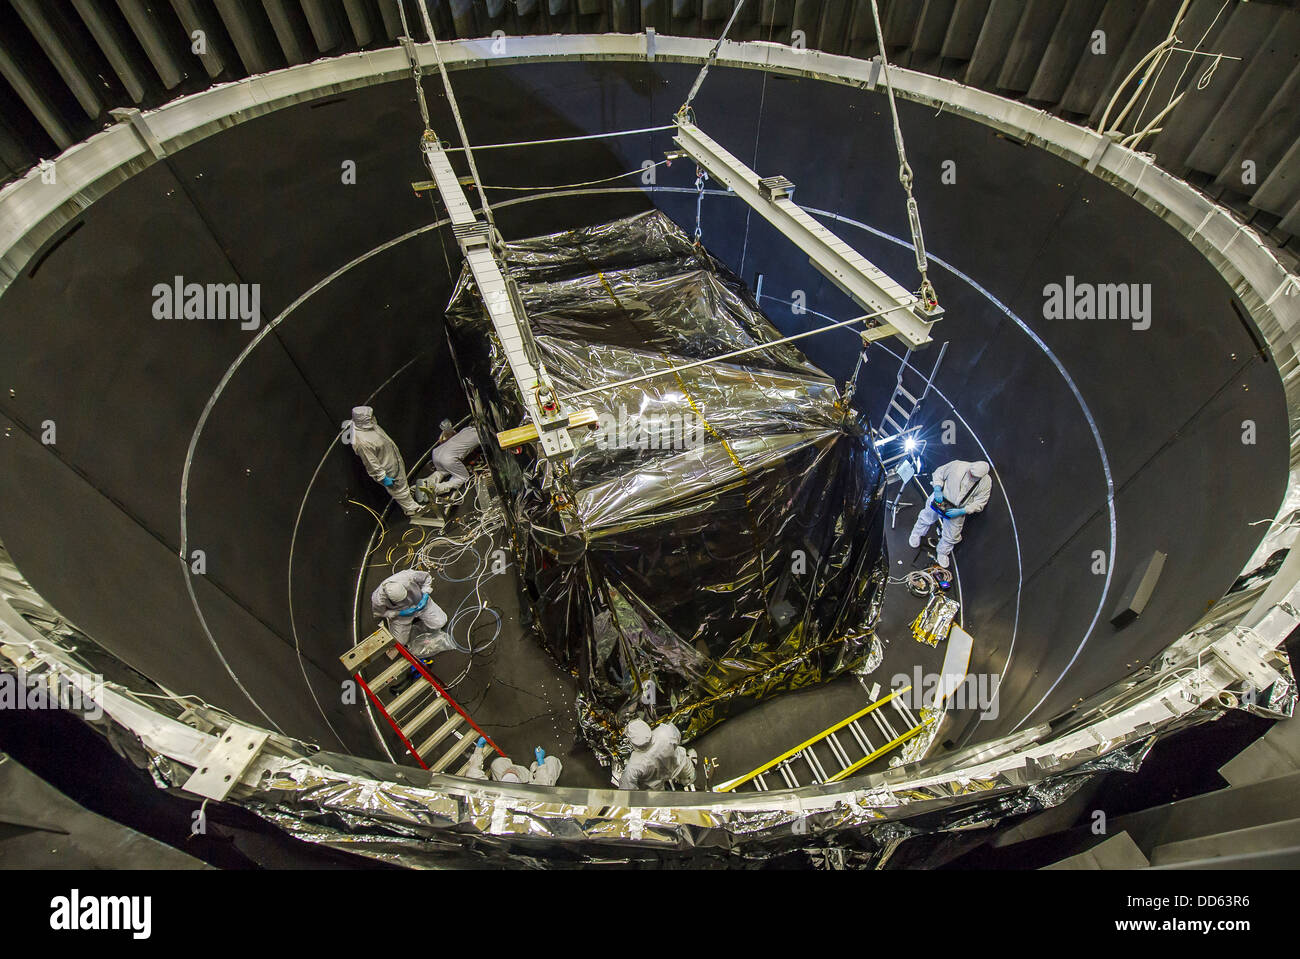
[[473, 235], [773, 199]]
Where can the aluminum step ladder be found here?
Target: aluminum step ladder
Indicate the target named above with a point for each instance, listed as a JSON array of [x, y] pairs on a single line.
[[842, 750], [420, 708], [910, 391]]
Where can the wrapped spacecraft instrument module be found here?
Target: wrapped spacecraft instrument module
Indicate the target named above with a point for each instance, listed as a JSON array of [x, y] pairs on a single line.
[[718, 537]]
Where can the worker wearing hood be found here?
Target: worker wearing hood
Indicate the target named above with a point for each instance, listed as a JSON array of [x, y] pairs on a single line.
[[402, 600], [382, 459], [959, 489], [544, 772], [657, 758]]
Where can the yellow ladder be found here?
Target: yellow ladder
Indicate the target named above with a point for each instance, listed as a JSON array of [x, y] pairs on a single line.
[[893, 727]]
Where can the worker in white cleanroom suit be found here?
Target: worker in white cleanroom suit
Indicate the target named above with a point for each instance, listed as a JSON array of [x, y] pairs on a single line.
[[657, 759], [960, 489], [382, 459], [449, 460], [402, 600], [544, 772]]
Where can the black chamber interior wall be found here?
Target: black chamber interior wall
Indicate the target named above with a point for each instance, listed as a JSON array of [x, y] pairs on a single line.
[[94, 520]]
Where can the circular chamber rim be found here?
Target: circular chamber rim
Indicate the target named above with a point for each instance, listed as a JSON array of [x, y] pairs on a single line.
[[32, 213]]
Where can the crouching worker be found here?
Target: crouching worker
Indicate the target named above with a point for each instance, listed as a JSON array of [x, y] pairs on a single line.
[[450, 471], [545, 771], [402, 601], [658, 757]]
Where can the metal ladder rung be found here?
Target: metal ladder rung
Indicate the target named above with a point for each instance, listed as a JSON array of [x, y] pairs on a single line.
[[815, 764], [787, 774], [838, 749], [860, 735], [445, 759], [910, 398], [389, 674], [408, 696], [760, 783], [909, 718], [888, 421], [886, 729], [907, 414], [440, 733], [423, 716]]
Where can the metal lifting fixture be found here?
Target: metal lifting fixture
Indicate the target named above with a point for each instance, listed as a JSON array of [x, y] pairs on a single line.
[[902, 314], [478, 241]]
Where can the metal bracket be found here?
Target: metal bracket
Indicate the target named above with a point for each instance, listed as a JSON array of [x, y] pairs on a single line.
[[141, 127], [1248, 657], [223, 767], [650, 44], [875, 73], [1098, 152], [776, 187], [412, 57]]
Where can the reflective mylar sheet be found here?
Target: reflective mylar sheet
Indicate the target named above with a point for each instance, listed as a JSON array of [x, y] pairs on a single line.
[[718, 537]]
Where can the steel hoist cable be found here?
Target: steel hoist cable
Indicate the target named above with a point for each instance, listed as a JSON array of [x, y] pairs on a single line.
[[928, 296], [451, 100], [713, 55]]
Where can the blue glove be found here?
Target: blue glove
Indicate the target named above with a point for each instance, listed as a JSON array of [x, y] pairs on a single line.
[[955, 512], [481, 742], [387, 481], [540, 753]]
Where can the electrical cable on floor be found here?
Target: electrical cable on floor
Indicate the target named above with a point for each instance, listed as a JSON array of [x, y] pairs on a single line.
[[383, 530]]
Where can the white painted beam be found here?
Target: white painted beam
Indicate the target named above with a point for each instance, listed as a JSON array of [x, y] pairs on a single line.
[[868, 285]]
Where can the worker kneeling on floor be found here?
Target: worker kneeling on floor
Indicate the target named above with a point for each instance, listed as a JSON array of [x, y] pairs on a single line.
[[450, 471], [960, 489], [545, 771], [402, 601]]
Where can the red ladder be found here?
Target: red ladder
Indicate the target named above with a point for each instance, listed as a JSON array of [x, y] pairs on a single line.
[[422, 703]]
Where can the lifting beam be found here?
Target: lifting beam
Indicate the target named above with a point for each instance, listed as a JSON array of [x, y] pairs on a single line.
[[550, 424], [907, 316]]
